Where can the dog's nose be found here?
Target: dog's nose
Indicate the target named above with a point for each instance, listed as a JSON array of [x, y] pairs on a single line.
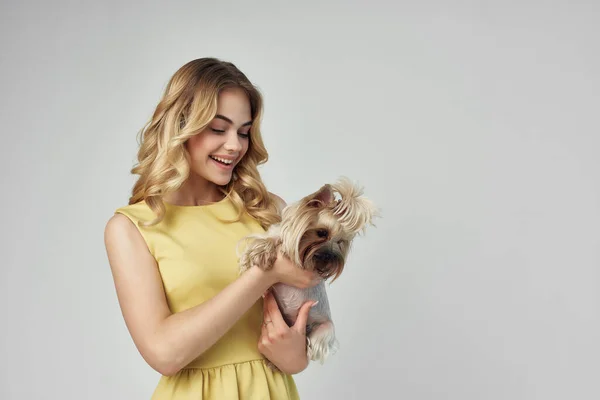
[[324, 256]]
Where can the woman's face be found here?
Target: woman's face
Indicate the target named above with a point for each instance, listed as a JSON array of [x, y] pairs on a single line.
[[216, 150]]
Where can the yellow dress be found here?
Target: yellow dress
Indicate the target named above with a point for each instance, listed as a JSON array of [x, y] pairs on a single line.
[[196, 257]]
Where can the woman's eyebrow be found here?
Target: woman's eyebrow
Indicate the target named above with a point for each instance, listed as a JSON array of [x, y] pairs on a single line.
[[224, 118]]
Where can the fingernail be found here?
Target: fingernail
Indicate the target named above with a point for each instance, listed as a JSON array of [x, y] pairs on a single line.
[[314, 304]]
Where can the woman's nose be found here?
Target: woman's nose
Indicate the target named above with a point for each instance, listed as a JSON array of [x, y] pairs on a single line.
[[233, 143]]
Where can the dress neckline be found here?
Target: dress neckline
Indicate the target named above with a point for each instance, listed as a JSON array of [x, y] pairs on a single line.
[[224, 200]]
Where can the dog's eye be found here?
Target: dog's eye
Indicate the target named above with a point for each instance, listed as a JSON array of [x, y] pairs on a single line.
[[322, 233]]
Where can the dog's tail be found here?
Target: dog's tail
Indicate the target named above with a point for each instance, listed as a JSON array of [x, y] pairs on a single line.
[[354, 211]]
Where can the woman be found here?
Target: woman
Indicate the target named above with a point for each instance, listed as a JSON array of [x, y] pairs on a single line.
[[172, 250]]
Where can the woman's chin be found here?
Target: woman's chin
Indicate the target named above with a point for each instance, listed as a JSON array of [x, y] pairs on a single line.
[[221, 180]]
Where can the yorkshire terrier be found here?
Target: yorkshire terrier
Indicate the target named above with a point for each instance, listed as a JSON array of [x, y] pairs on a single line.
[[316, 234]]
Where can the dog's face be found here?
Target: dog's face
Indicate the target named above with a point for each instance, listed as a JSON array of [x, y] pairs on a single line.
[[318, 230]]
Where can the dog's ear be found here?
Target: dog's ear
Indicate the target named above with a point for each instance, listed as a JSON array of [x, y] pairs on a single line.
[[354, 211], [321, 198]]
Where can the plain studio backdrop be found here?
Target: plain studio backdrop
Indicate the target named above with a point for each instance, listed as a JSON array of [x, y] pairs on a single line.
[[472, 125]]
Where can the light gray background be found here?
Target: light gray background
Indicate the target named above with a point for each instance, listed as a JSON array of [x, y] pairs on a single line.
[[474, 126]]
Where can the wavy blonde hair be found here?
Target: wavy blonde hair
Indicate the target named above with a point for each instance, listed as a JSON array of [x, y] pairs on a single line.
[[188, 105]]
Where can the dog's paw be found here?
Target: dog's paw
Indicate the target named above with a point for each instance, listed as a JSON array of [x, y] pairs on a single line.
[[261, 252], [321, 342]]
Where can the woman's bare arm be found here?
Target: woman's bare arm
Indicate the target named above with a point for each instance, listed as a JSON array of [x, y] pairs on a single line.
[[168, 341]]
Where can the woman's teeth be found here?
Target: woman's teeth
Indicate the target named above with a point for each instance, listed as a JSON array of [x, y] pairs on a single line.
[[223, 161]]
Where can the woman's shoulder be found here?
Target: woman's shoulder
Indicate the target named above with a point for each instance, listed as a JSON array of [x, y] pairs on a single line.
[[124, 223], [136, 211], [122, 232]]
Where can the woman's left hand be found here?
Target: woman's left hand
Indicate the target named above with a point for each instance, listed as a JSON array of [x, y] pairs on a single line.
[[284, 346]]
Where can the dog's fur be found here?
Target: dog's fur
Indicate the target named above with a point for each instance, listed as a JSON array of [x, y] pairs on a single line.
[[316, 234]]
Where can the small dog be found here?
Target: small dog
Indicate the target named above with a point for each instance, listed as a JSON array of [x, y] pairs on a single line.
[[316, 234]]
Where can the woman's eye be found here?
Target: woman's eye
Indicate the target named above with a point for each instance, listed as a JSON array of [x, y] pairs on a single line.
[[220, 131]]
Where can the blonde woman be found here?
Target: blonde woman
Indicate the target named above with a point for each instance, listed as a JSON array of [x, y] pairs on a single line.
[[172, 249]]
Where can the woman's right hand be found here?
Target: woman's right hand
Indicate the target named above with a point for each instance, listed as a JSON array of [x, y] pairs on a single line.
[[285, 271]]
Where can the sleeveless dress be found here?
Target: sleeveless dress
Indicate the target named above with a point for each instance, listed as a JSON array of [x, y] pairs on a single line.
[[196, 257]]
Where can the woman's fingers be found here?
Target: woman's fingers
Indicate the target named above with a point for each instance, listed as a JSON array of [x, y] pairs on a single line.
[[272, 318]]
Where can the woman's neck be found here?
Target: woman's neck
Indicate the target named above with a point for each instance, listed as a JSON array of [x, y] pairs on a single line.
[[195, 192]]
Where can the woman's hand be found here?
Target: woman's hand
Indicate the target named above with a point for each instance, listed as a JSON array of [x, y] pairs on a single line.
[[285, 271], [284, 346]]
